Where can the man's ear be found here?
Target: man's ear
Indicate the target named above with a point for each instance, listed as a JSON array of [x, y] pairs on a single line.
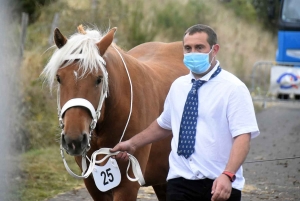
[[215, 49]]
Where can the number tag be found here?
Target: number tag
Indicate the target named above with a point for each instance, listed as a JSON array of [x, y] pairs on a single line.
[[108, 176]]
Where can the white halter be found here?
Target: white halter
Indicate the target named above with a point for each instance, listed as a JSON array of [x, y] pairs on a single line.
[[96, 115]]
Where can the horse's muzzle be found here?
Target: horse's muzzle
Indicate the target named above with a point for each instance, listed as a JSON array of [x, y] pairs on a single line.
[[75, 146]]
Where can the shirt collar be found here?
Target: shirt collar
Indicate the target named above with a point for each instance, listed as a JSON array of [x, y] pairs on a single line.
[[208, 75]]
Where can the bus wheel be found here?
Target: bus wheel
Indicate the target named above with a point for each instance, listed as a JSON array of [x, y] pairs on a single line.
[[283, 96]]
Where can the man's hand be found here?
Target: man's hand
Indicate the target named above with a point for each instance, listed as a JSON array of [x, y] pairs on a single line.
[[221, 188], [124, 148]]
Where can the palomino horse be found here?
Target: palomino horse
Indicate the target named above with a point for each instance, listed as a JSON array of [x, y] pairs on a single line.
[[88, 66]]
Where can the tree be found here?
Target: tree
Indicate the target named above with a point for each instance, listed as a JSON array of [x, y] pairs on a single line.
[[32, 7]]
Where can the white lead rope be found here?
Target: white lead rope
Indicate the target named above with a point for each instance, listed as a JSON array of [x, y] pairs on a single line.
[[131, 93], [136, 169]]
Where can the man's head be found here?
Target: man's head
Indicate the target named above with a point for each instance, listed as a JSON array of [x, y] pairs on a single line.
[[200, 39], [212, 38]]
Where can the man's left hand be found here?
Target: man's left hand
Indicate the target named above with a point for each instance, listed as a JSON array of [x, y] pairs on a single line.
[[221, 188]]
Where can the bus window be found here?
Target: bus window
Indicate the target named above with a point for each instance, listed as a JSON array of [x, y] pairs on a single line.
[[291, 11]]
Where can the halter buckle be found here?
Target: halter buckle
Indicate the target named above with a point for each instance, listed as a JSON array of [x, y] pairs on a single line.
[[93, 124], [61, 123]]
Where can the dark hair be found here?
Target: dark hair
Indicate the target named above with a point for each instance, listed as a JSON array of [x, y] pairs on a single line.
[[212, 36]]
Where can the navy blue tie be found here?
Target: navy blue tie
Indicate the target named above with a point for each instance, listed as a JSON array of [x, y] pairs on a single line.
[[187, 132]]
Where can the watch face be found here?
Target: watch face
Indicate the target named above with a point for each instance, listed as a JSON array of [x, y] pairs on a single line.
[[233, 178]]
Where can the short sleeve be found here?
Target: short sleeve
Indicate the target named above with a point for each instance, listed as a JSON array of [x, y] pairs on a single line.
[[240, 112], [164, 120]]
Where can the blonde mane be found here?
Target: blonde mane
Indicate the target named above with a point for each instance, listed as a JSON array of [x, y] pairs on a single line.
[[80, 46]]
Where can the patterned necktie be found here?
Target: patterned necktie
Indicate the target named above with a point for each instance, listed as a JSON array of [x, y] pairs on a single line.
[[187, 133]]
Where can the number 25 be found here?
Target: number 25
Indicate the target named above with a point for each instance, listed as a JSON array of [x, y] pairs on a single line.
[[109, 175]]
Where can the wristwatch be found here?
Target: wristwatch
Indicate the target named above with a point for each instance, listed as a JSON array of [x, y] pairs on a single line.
[[230, 175]]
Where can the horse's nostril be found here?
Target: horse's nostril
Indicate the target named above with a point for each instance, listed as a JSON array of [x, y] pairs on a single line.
[[71, 146], [75, 146], [84, 141], [63, 141]]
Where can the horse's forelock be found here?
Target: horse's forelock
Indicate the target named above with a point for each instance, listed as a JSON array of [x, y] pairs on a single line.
[[78, 44]]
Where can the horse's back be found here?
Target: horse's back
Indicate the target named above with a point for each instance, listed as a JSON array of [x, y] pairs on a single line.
[[163, 60], [159, 53]]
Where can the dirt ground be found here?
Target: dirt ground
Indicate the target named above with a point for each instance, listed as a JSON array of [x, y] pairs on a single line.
[[268, 180]]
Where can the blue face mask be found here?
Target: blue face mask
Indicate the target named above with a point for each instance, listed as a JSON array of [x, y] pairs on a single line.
[[197, 62]]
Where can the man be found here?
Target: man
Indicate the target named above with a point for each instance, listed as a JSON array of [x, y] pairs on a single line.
[[210, 114]]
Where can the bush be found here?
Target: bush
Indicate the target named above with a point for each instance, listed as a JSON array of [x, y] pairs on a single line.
[[32, 7], [264, 12], [174, 19]]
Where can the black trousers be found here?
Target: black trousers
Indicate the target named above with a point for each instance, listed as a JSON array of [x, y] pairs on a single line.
[[181, 189]]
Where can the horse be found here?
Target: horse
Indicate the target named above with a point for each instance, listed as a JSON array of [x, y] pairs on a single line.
[[118, 84]]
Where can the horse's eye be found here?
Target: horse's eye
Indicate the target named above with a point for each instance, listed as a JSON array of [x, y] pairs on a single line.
[[58, 78], [99, 79]]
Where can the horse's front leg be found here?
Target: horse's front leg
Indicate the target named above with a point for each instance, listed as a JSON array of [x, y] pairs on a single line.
[[90, 185], [95, 193], [126, 191]]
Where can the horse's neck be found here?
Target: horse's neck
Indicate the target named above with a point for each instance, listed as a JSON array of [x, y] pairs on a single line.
[[123, 77], [120, 79]]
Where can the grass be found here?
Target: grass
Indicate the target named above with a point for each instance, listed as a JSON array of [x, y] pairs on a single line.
[[45, 174]]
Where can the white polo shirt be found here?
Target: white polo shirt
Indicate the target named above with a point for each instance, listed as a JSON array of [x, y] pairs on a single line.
[[225, 111]]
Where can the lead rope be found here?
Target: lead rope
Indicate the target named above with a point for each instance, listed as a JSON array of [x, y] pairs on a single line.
[[131, 93], [136, 169]]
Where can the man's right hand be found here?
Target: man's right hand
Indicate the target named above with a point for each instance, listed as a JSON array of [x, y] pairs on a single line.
[[124, 148]]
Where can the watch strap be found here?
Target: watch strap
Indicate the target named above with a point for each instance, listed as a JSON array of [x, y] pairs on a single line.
[[230, 175]]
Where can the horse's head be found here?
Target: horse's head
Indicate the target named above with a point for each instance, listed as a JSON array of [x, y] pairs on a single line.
[[82, 79]]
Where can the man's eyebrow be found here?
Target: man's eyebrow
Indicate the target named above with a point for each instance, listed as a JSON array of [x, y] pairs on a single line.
[[200, 45]]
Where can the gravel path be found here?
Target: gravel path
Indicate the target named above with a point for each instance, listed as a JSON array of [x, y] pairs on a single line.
[[270, 180], [280, 138]]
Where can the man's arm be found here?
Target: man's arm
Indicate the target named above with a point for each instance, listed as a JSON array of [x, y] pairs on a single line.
[[151, 134], [221, 189], [239, 152]]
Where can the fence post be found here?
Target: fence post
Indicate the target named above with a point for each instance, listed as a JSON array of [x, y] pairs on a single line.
[[94, 6], [23, 32], [53, 26]]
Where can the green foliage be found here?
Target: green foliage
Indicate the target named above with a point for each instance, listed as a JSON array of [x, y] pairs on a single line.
[[268, 13], [174, 19], [42, 166], [243, 8], [265, 12], [140, 28], [32, 7], [40, 116]]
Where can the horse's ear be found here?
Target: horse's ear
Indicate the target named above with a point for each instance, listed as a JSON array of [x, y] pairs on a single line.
[[106, 41], [59, 39]]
